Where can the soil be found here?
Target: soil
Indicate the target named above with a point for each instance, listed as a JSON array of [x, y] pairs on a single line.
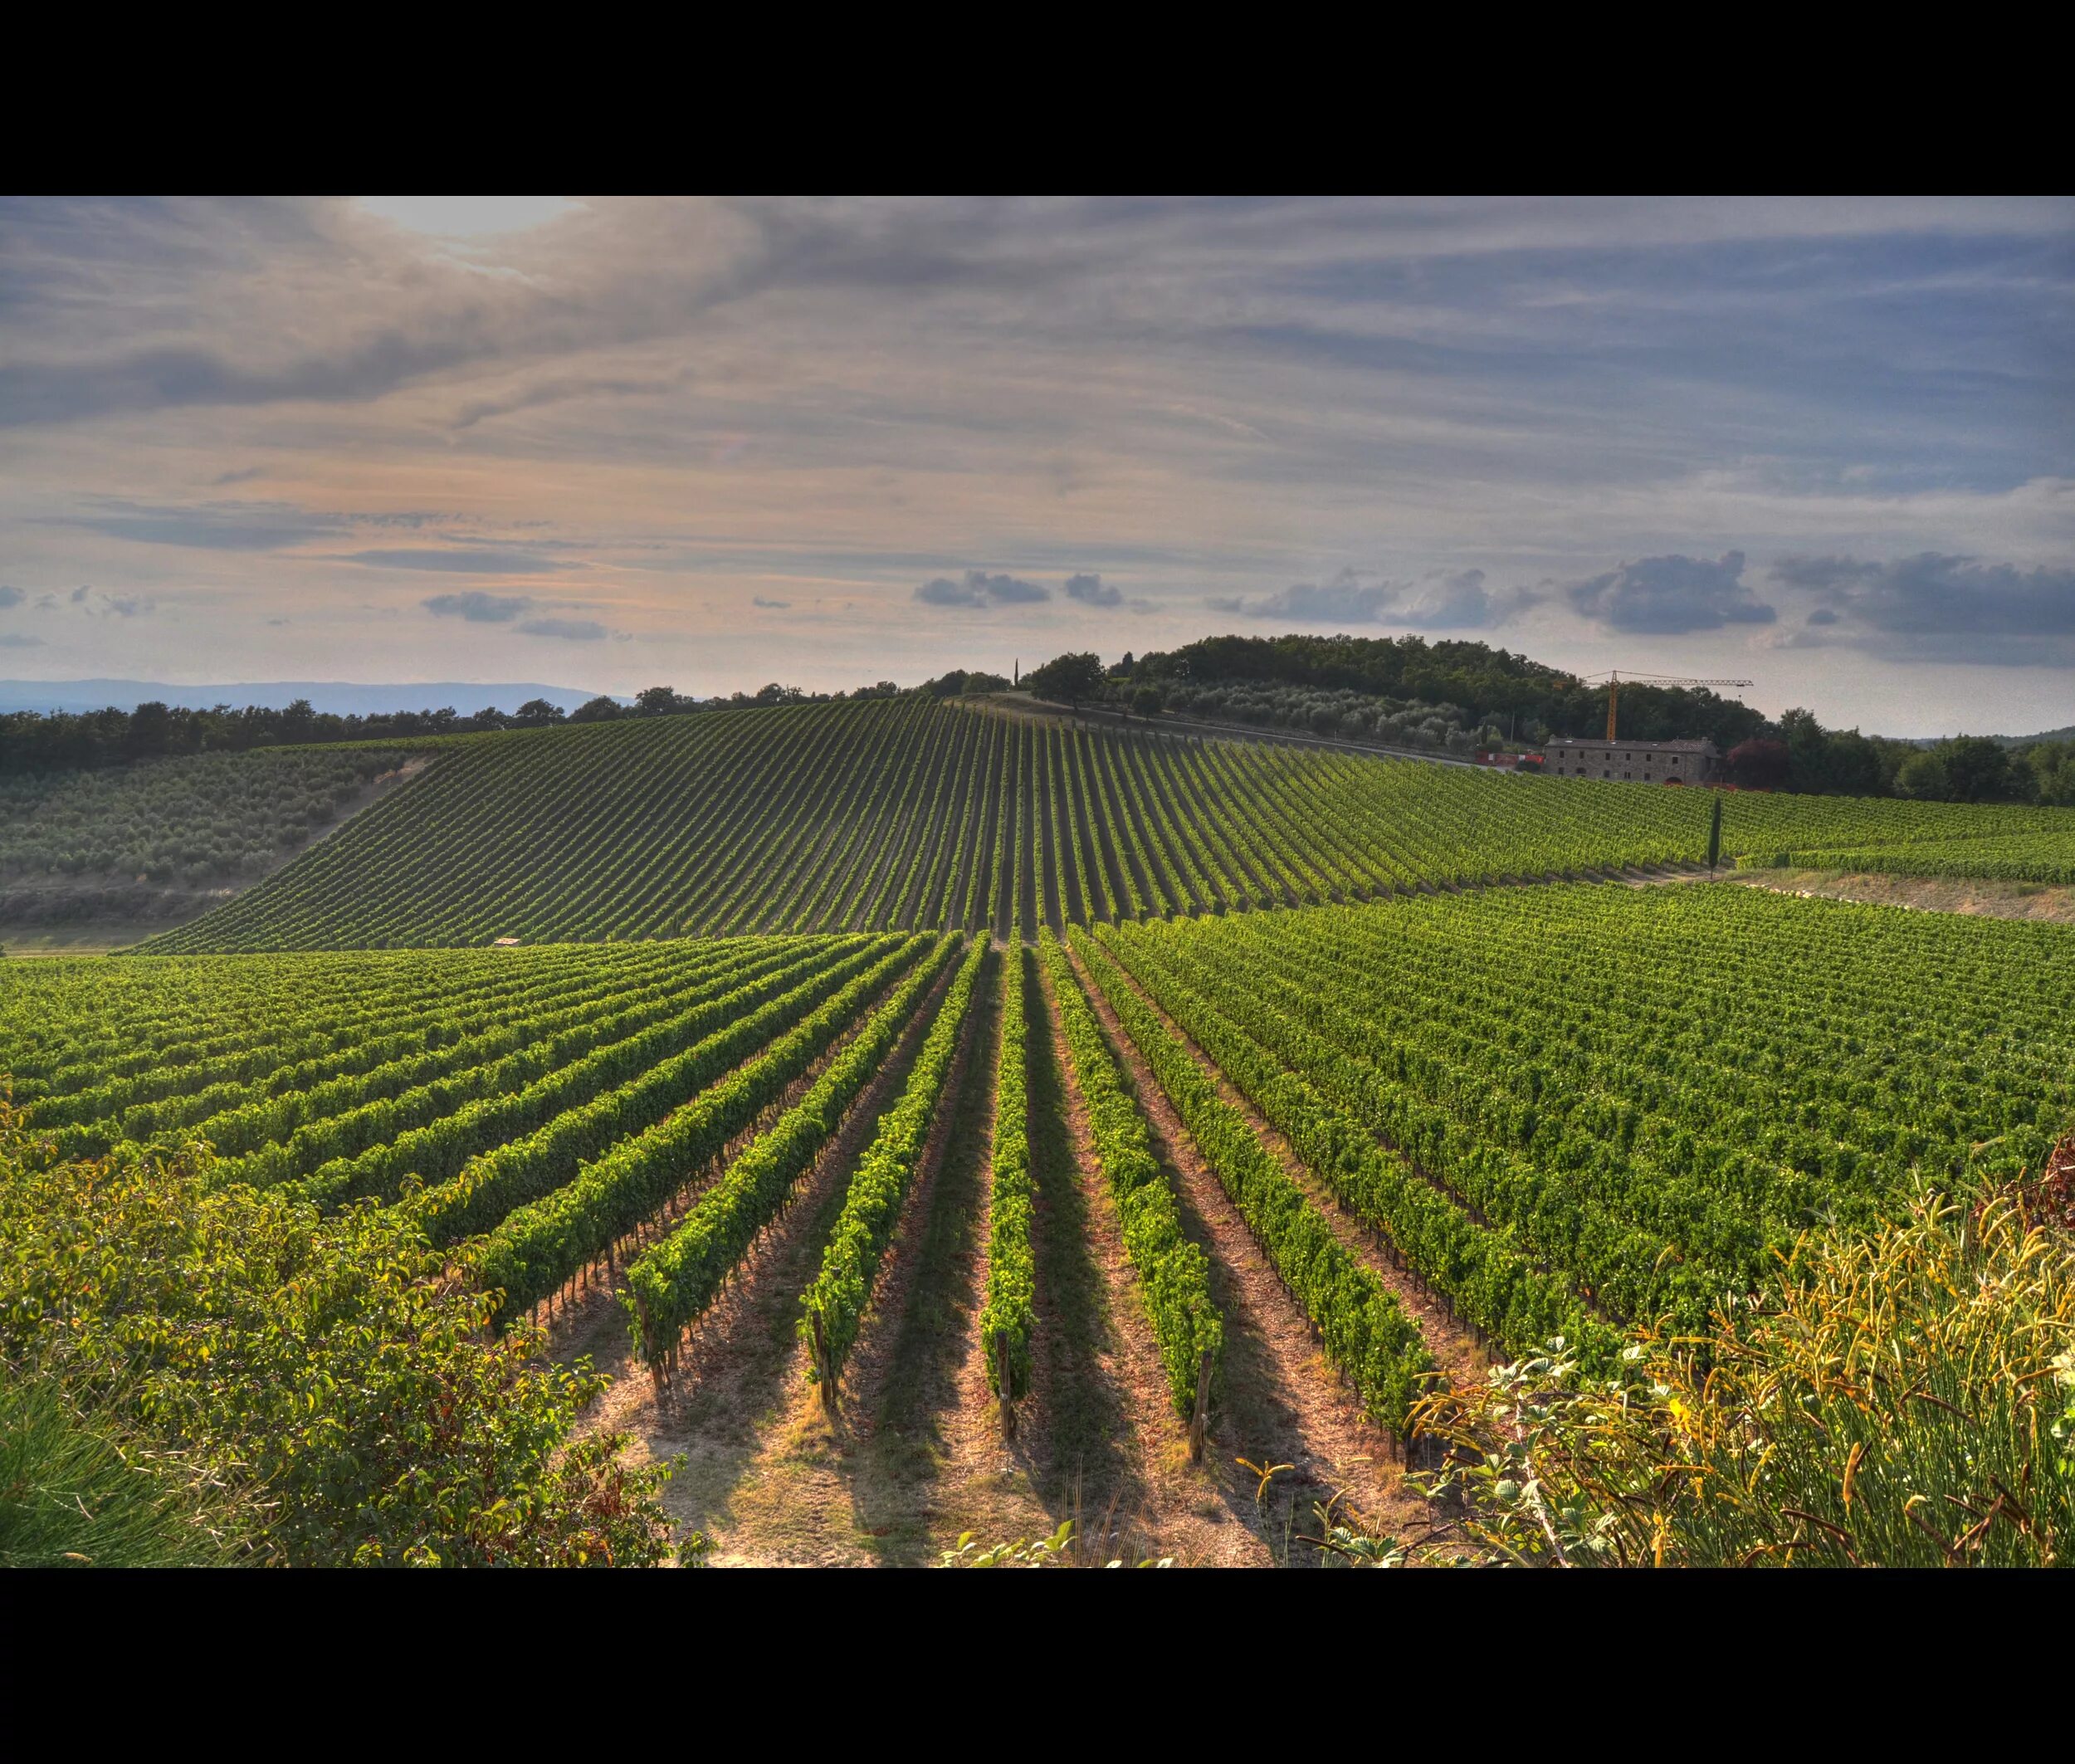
[[1990, 900]]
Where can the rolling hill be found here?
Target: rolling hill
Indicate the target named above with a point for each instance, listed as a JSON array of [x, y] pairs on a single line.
[[911, 813]]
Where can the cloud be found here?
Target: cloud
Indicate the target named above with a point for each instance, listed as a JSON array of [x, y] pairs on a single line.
[[467, 562], [1093, 591], [19, 640], [1935, 606], [11, 596], [1458, 600], [1445, 600], [980, 589], [1672, 595], [1345, 600], [564, 390], [212, 526], [574, 630], [245, 477], [111, 606], [170, 375], [774, 606], [478, 607]]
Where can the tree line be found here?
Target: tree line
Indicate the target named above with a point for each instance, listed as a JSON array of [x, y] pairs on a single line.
[[1471, 687], [32, 741]]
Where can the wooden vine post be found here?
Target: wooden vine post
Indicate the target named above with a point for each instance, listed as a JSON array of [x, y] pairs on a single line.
[[822, 1376], [651, 1348], [1200, 1422], [1006, 1387]]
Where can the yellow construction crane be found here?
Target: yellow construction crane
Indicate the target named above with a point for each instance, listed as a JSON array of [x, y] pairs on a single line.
[[1614, 679]]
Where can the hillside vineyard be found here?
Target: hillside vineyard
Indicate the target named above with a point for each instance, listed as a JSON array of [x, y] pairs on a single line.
[[1023, 1121], [908, 814]]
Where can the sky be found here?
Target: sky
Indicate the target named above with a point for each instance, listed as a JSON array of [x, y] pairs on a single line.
[[1827, 445]]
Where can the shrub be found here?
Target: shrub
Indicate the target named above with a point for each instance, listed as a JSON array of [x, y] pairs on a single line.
[[1909, 1400], [332, 1370]]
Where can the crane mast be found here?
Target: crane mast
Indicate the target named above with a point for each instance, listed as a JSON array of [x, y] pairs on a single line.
[[1613, 678]]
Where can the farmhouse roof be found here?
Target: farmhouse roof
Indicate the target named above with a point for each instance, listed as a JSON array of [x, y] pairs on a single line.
[[1678, 747]]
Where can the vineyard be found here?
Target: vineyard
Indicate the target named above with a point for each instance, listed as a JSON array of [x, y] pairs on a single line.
[[931, 1120], [1565, 1109], [1302, 1167], [910, 814], [2033, 856]]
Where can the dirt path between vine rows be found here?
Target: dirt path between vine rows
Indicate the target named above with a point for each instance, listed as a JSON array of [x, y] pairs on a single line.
[[794, 1489], [1119, 1452], [1282, 1404], [745, 1365], [921, 1458]]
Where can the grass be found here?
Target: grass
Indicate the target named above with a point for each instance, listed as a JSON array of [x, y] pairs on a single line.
[[74, 1492]]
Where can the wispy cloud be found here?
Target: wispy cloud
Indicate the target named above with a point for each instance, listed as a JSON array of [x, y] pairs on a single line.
[[572, 630], [1444, 600], [1385, 415], [213, 527], [479, 607], [464, 562], [978, 588]]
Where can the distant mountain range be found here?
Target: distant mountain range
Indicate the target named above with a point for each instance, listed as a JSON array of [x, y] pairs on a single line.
[[341, 698]]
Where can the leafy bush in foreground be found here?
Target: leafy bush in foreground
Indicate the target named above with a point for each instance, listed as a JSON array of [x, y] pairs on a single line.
[[1911, 1403], [329, 1367]]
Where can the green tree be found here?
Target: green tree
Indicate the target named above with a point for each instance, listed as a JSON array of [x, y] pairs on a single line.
[[299, 721], [2052, 764], [1977, 769], [1072, 679], [150, 730], [599, 709], [1923, 776]]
